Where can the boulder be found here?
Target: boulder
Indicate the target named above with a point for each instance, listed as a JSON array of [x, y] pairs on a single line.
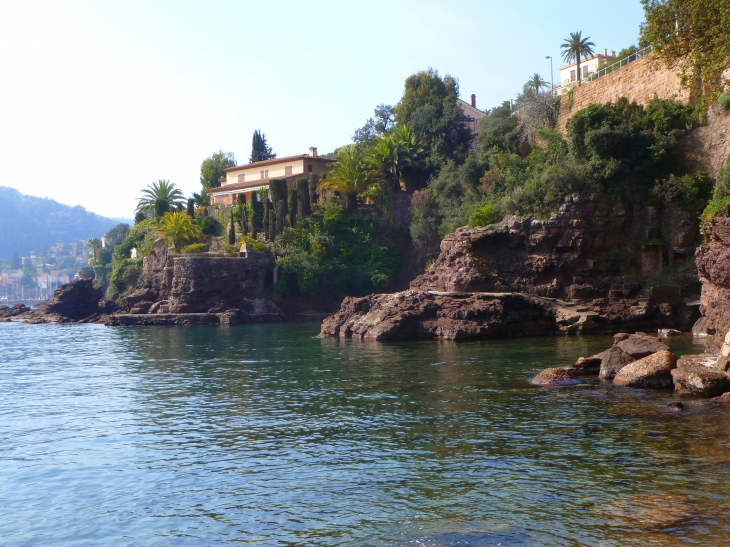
[[693, 378], [626, 349], [641, 345], [724, 398], [558, 375], [588, 366], [654, 371], [614, 359]]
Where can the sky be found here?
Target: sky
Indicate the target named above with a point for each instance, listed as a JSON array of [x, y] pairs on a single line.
[[100, 98]]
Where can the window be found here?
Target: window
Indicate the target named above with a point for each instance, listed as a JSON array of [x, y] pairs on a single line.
[[264, 173], [309, 168], [572, 75], [242, 178], [287, 170], [585, 71]]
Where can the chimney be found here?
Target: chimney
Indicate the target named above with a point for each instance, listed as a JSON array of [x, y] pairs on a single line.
[[613, 53], [473, 100], [313, 151], [605, 52]]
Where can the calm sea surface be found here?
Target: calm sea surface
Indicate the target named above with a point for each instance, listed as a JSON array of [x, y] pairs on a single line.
[[267, 435]]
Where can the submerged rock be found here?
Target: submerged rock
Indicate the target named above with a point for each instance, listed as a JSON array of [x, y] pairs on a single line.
[[557, 375], [648, 511], [724, 398], [654, 371], [675, 405]]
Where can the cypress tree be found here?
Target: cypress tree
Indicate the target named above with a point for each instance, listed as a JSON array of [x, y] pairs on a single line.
[[293, 203], [231, 232], [267, 218], [191, 207], [280, 215], [272, 221], [241, 198], [304, 207], [260, 150]]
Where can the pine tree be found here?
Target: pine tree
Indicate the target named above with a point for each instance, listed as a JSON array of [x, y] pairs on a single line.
[[260, 150]]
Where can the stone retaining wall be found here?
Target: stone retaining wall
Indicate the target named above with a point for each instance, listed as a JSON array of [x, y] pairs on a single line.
[[639, 81]]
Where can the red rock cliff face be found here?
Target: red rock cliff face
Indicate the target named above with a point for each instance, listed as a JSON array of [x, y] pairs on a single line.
[[573, 255], [713, 266]]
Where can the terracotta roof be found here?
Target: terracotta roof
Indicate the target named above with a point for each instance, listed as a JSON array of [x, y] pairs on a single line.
[[276, 160]]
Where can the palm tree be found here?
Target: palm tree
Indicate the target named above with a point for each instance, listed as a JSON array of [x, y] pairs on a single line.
[[392, 154], [535, 84], [576, 47], [178, 228], [159, 198], [350, 176]]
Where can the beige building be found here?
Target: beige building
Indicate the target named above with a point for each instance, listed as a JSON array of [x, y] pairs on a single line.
[[472, 114], [244, 179], [569, 74]]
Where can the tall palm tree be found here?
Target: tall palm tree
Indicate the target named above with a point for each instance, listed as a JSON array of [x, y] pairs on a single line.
[[95, 245], [535, 83], [350, 176], [159, 198], [178, 228], [575, 47]]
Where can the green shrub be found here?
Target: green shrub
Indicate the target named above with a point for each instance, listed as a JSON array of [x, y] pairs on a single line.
[[208, 225], [194, 248], [486, 214], [692, 192], [124, 277], [724, 100], [334, 253], [255, 244], [716, 208], [722, 183], [231, 249]]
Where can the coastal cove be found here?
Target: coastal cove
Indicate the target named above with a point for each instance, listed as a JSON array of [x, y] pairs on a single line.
[[270, 435]]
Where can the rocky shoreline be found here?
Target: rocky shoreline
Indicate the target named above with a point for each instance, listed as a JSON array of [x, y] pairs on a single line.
[[645, 362]]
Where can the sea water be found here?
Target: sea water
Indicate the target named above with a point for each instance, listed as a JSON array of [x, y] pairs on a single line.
[[268, 435]]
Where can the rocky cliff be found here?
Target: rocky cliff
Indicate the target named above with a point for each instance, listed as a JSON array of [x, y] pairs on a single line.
[[713, 266], [592, 255]]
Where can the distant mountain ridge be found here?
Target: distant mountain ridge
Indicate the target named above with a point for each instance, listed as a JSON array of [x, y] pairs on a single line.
[[29, 223]]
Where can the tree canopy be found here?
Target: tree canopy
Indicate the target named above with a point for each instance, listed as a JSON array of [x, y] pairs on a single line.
[[260, 150], [211, 170], [429, 109], [377, 126], [694, 35]]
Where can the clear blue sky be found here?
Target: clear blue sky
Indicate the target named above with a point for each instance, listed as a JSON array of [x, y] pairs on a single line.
[[99, 98]]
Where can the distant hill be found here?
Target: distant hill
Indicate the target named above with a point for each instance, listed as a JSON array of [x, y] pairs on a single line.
[[28, 223]]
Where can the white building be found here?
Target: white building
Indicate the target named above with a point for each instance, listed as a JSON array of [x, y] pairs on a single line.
[[569, 75]]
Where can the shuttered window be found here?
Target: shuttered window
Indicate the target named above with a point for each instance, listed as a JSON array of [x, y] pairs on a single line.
[[287, 170], [242, 178]]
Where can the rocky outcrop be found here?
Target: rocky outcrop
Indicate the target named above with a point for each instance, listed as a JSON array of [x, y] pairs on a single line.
[[78, 300], [449, 316], [574, 256], [693, 378], [713, 266], [654, 371]]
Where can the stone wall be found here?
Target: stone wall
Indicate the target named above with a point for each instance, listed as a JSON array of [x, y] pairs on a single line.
[[639, 81], [707, 148]]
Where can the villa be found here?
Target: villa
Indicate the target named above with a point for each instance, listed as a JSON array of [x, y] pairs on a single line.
[[472, 114], [594, 63], [245, 179]]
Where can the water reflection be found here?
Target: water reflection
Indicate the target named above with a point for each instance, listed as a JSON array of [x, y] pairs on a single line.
[[268, 435]]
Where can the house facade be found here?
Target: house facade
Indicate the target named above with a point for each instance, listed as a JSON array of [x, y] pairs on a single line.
[[245, 179], [569, 74], [472, 114]]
